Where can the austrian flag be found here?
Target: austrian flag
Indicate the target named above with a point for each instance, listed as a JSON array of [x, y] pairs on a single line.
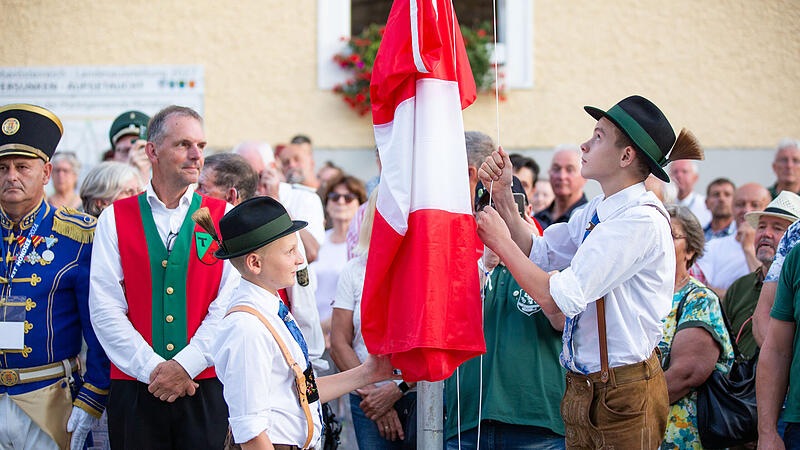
[[421, 298]]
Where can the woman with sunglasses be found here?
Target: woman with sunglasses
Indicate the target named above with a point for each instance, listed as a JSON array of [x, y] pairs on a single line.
[[341, 199]]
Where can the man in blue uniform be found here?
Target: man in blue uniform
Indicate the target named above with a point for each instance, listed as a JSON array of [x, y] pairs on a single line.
[[44, 285]]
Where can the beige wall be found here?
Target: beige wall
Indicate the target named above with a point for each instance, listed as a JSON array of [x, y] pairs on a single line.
[[727, 70]]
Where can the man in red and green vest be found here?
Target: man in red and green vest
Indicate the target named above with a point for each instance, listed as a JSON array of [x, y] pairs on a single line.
[[153, 299]]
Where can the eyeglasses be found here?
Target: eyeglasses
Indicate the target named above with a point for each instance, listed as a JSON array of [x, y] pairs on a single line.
[[335, 197], [675, 238]]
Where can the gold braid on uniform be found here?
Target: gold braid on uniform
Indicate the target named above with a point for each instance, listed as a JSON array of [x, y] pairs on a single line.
[[74, 225]]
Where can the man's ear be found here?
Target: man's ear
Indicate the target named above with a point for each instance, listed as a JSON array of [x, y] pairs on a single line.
[[47, 170], [472, 172], [232, 196], [150, 151]]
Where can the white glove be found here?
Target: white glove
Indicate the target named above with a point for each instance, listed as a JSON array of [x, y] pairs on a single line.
[[79, 424]]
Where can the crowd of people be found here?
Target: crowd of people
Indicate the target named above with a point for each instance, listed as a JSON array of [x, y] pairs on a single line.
[[126, 262]]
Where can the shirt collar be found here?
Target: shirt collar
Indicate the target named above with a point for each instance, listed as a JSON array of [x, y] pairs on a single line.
[[616, 201], [27, 221], [259, 297], [186, 198]]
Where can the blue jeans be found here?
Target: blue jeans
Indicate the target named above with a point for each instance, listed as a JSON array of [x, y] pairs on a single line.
[[499, 435], [368, 435], [791, 437]]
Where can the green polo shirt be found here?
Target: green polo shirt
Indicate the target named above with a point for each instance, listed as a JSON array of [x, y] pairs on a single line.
[[523, 381], [787, 309], [739, 305]]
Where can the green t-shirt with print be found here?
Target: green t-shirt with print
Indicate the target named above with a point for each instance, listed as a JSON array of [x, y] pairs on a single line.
[[787, 309], [523, 381]]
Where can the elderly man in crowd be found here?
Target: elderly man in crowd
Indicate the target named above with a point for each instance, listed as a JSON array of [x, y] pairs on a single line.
[[729, 258], [156, 295], [45, 287], [301, 202], [742, 296], [684, 174], [228, 177], [567, 183], [786, 167], [719, 200], [297, 163]]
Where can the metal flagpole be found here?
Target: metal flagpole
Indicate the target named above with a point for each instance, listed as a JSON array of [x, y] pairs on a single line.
[[430, 419]]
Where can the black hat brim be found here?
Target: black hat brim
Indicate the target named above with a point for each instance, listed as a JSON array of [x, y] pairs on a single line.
[[655, 168], [297, 225]]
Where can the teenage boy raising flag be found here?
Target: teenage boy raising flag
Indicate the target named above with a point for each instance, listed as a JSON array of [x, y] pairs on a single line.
[[618, 254]]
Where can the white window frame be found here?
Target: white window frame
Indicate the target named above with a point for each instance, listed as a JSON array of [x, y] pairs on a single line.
[[514, 51]]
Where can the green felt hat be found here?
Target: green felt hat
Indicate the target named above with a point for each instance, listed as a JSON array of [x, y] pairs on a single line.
[[253, 224], [127, 123], [646, 126]]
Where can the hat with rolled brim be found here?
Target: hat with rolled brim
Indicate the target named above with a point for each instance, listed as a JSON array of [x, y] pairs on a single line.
[[29, 130], [249, 226], [651, 133], [785, 206]]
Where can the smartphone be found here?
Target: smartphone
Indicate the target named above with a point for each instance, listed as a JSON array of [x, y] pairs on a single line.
[[519, 199]]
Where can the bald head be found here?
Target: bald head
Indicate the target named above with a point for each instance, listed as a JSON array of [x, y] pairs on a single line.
[[565, 174], [257, 153], [749, 197]]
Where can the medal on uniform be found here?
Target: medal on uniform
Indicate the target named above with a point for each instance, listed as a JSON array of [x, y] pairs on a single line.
[[48, 254], [33, 257]]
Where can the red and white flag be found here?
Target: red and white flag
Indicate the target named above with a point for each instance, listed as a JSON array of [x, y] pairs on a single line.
[[421, 299]]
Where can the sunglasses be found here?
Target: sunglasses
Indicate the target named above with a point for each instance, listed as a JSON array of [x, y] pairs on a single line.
[[335, 197]]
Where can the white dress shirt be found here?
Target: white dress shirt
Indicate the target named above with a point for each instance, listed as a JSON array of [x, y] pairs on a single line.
[[697, 205], [258, 383], [723, 262], [302, 203], [125, 346], [629, 258]]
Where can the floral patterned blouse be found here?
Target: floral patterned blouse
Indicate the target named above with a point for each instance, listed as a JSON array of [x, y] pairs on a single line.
[[701, 309]]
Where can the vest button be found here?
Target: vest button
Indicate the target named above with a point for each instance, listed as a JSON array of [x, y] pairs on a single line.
[[169, 318], [170, 290], [164, 263], [170, 347]]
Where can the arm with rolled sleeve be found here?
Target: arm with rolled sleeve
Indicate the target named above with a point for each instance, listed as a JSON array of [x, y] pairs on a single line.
[[613, 252], [94, 391], [125, 346]]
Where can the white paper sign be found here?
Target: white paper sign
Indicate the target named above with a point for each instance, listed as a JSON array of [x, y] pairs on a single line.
[[88, 98], [12, 335]]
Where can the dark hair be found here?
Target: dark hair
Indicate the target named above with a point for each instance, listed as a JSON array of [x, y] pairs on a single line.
[[300, 139], [157, 127], [519, 161], [353, 184], [718, 181], [233, 171]]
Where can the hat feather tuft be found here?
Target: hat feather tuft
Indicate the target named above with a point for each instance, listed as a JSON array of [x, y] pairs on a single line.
[[203, 218], [686, 147]]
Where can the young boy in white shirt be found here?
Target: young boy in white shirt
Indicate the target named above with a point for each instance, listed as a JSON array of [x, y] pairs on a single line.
[[617, 253], [265, 406]]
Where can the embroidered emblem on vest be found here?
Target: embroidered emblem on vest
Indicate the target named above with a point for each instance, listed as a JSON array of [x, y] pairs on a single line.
[[525, 303]]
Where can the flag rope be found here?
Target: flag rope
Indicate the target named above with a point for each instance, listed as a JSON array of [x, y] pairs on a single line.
[[487, 284]]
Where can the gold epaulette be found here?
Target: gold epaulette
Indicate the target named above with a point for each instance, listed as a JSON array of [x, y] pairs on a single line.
[[74, 224]]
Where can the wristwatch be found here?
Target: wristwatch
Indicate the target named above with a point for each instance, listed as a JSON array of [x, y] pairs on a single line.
[[403, 387]]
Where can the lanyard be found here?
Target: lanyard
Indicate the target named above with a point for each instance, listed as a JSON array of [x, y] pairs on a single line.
[[23, 251]]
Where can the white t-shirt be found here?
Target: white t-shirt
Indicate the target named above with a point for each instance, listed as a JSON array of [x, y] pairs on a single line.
[[348, 296], [723, 262], [331, 258], [697, 205]]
